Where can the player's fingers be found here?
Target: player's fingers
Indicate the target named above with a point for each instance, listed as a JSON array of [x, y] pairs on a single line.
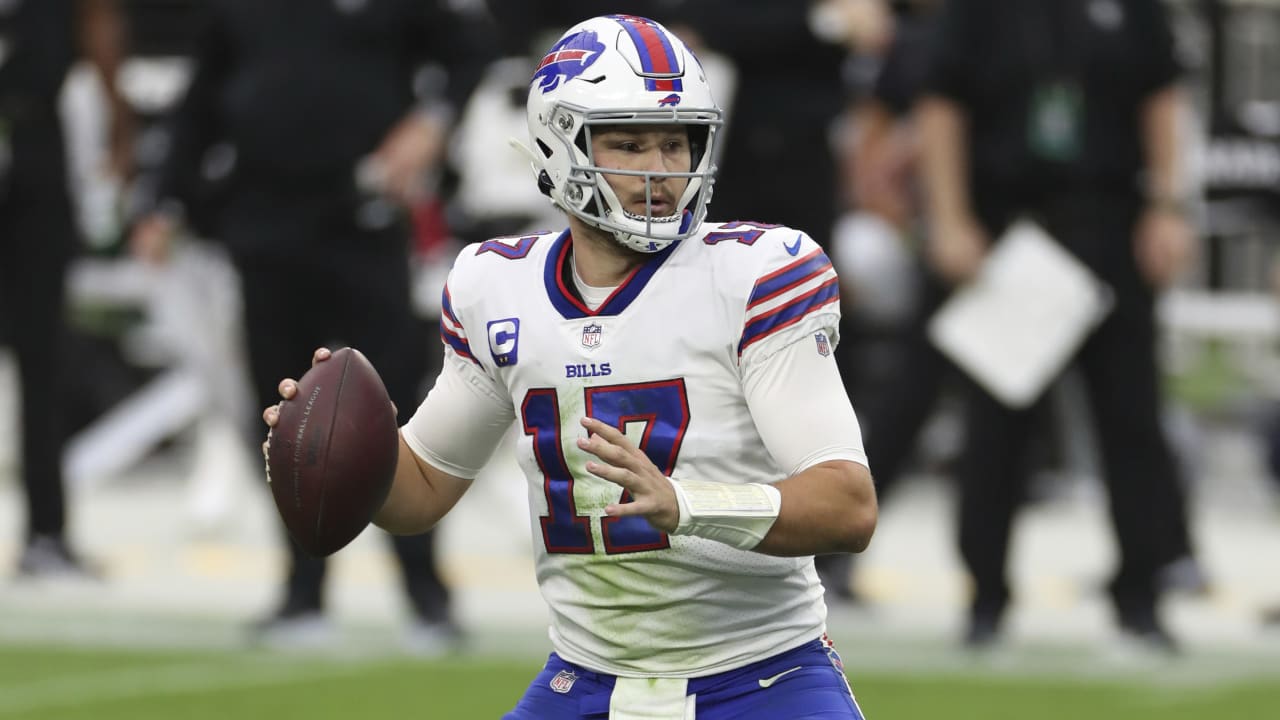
[[606, 451], [636, 505], [622, 452], [288, 388], [320, 355], [616, 475], [606, 431], [624, 509], [271, 415]]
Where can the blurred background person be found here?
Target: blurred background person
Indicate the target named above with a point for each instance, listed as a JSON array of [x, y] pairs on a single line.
[[789, 98], [789, 95], [1269, 440], [894, 374], [1066, 111], [333, 118], [41, 39], [492, 197], [1271, 614]]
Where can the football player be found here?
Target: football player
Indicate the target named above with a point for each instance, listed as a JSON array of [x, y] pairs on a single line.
[[687, 441]]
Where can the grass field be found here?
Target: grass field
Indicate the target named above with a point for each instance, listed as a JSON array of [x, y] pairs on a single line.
[[43, 683]]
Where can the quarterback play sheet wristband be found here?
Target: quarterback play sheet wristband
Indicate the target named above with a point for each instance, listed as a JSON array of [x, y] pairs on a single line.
[[734, 514]]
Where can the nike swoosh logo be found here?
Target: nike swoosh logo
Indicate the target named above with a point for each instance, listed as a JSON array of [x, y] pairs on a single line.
[[769, 681], [793, 248]]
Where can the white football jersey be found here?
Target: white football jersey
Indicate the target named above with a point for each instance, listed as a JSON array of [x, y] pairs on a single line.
[[662, 360]]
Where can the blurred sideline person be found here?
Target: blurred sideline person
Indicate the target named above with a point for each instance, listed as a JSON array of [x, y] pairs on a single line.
[[1270, 441], [790, 96], [316, 103], [38, 238], [686, 440], [1066, 112], [494, 196], [895, 375]]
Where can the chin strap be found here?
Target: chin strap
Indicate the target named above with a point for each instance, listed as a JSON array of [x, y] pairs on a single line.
[[737, 514]]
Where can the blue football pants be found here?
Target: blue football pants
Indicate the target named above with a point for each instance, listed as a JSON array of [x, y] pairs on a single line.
[[807, 683]]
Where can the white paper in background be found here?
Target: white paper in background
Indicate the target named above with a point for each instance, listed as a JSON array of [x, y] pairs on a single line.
[[1017, 325]]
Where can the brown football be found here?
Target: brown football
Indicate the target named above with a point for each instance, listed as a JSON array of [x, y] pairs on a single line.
[[332, 455]]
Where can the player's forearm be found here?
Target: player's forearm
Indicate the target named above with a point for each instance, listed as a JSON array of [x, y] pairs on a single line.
[[830, 507], [420, 495]]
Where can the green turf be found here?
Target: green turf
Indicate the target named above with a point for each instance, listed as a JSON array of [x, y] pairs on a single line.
[[987, 698], [49, 684], [57, 684]]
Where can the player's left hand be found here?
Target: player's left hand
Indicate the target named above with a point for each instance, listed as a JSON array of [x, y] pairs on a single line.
[[624, 464]]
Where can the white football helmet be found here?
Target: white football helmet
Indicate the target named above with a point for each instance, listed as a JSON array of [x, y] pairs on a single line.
[[612, 70]]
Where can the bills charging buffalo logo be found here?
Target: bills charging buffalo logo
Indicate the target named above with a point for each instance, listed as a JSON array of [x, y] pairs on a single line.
[[567, 60], [671, 100]]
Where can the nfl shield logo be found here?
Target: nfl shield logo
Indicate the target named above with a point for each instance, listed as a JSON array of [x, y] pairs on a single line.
[[591, 336], [824, 347], [563, 681]]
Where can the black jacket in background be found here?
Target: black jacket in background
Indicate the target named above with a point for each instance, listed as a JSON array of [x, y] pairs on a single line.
[[776, 165], [989, 55], [303, 89], [39, 36]]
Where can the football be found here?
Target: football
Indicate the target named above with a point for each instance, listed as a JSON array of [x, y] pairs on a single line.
[[332, 455]]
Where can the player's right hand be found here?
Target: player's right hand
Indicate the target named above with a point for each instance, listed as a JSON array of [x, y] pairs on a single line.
[[627, 466], [287, 388]]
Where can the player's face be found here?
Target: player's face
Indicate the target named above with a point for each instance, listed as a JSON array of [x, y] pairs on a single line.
[[645, 148]]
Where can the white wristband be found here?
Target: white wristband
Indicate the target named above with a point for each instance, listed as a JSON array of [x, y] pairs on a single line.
[[734, 514]]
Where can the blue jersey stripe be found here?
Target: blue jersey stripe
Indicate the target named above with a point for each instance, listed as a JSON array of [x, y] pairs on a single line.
[[789, 314], [794, 274], [446, 305], [459, 345]]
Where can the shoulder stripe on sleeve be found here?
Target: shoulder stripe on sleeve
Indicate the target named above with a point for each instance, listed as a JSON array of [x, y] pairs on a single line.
[[446, 305], [451, 331], [784, 296], [789, 277]]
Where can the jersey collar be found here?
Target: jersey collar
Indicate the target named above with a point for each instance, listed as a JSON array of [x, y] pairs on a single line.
[[564, 296]]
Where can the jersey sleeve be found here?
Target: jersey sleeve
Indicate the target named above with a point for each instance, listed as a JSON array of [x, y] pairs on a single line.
[[800, 407], [462, 420], [452, 333], [795, 294]]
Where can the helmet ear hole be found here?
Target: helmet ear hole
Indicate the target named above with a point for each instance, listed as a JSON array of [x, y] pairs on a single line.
[[546, 151], [545, 185]]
